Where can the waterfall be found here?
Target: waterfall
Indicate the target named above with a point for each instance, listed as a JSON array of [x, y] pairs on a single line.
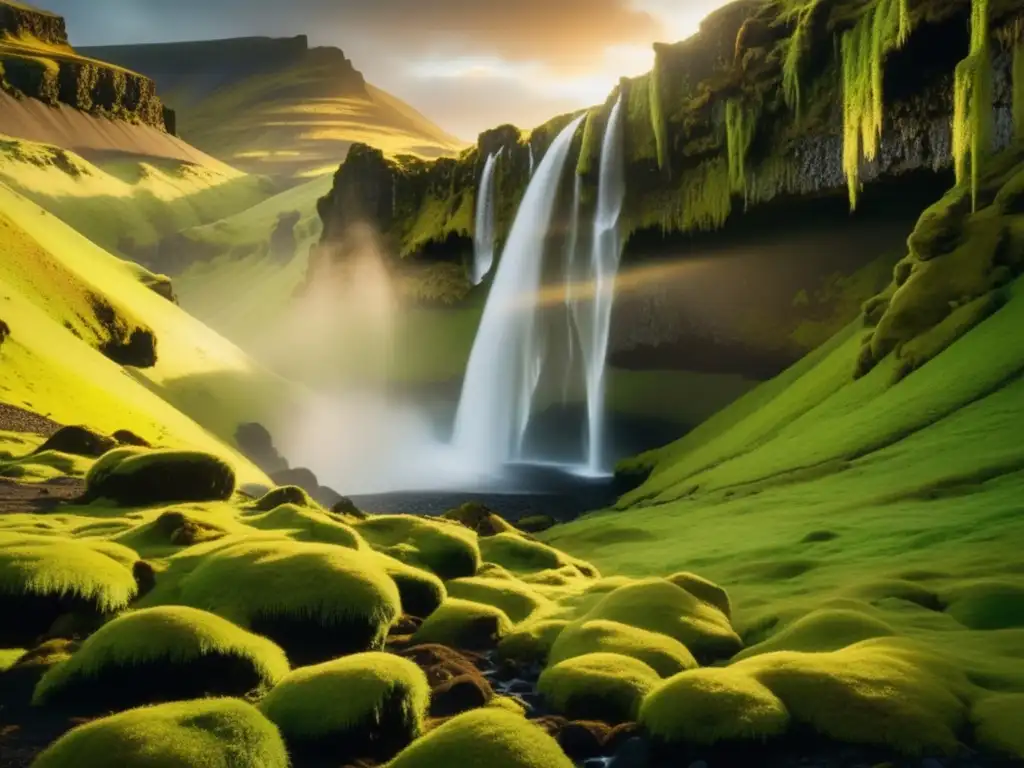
[[594, 319], [505, 363], [483, 242], [532, 161], [571, 275]]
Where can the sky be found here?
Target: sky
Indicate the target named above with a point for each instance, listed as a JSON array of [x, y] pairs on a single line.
[[467, 64]]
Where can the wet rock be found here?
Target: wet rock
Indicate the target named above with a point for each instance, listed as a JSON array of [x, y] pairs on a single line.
[[459, 695], [582, 740], [519, 686], [635, 753], [552, 724], [619, 735]]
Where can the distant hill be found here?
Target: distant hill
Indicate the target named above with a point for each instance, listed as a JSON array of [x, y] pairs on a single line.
[[276, 106]]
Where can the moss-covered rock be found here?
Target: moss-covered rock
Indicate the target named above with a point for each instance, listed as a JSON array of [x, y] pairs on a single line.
[[133, 477], [43, 578], [421, 591], [304, 523], [708, 706], [492, 737], [885, 692], [447, 549], [78, 441], [214, 732], [531, 642], [997, 720], [535, 523], [606, 687], [317, 601], [657, 605], [362, 706], [666, 655], [521, 555], [173, 528], [464, 625], [168, 653], [704, 590], [287, 494], [828, 629], [516, 599], [479, 518]]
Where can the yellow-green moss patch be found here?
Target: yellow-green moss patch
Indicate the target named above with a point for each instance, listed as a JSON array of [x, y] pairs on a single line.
[[369, 704], [305, 524], [140, 478], [448, 549], [521, 555], [607, 687], [167, 653], [420, 590], [706, 706], [997, 723], [823, 630], [514, 597], [489, 737], [212, 732], [532, 641], [464, 625], [666, 655]]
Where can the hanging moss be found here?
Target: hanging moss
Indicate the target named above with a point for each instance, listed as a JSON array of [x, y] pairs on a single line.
[[792, 65], [972, 103], [882, 29], [641, 138], [657, 109], [740, 126], [591, 143], [1018, 80]]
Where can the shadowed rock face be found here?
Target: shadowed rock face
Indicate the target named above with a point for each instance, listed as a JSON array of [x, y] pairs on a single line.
[[20, 21]]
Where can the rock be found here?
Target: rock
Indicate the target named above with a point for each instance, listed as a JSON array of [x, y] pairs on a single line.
[[553, 724], [78, 441], [519, 686], [127, 437], [619, 735], [145, 577], [5, 332], [582, 740], [479, 518], [255, 441], [406, 625], [635, 753], [535, 523], [459, 695], [345, 506]]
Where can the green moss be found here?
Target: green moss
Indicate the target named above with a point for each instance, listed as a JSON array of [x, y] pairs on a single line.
[[152, 477], [657, 109], [44, 566], [641, 135], [704, 590], [1018, 82], [666, 655], [740, 126], [531, 642], [421, 591], [606, 687], [370, 701], [997, 720], [9, 657], [822, 630], [305, 524], [288, 494], [883, 28], [883, 692], [193, 734], [988, 605], [972, 103], [796, 49], [464, 625], [657, 605], [513, 597], [706, 706], [447, 549], [296, 594], [521, 555], [164, 641], [491, 737], [590, 148]]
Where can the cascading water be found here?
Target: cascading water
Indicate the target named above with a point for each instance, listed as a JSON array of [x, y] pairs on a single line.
[[483, 242], [532, 161], [594, 318], [571, 270], [503, 371]]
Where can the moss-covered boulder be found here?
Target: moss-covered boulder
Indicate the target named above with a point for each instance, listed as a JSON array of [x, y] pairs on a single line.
[[211, 732], [420, 590], [516, 599], [285, 494], [827, 629], [317, 601], [489, 737], [532, 641], [464, 625], [169, 653], [134, 477], [174, 528], [704, 590], [996, 720], [886, 692], [304, 523], [712, 705], [523, 556], [43, 578], [536, 523], [479, 518], [666, 655], [659, 606], [21, 671], [370, 705], [78, 441], [606, 687], [447, 549]]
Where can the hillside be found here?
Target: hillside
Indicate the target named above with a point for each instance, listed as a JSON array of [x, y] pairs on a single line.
[[73, 311], [276, 106]]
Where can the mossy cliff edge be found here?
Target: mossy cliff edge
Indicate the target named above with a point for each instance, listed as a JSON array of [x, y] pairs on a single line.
[[743, 113], [37, 62]]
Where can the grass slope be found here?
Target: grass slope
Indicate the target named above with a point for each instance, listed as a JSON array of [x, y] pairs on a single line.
[[126, 202], [49, 370], [815, 492]]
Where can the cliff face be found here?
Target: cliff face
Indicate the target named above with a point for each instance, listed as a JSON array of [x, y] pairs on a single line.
[[37, 62], [774, 104]]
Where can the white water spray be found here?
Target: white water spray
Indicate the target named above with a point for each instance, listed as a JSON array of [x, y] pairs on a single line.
[[483, 242], [571, 275], [594, 319], [504, 365]]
